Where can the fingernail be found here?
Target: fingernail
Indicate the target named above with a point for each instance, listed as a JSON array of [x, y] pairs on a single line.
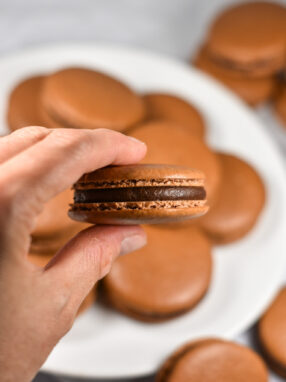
[[132, 243], [136, 140]]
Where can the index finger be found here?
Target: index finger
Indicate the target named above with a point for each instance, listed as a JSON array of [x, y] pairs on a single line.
[[56, 162]]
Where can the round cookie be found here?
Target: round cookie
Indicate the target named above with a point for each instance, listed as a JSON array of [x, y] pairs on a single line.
[[272, 333], [253, 91], [280, 105], [170, 143], [23, 104], [250, 38], [240, 201], [175, 109], [167, 277], [139, 194], [210, 360], [84, 98]]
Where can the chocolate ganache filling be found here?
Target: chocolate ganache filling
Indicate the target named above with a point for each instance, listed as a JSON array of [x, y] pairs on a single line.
[[139, 194]]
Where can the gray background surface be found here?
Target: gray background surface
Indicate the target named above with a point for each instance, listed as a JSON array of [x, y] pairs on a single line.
[[175, 27]]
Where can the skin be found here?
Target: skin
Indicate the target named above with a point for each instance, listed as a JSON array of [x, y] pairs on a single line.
[[38, 305]]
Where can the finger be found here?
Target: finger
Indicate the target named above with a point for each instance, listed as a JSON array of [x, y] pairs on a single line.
[[53, 164], [34, 176], [19, 140], [88, 257]]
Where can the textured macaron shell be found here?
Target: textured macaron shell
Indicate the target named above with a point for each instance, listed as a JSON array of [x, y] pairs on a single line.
[[142, 190], [170, 143], [250, 37], [254, 91], [165, 278], [175, 109], [23, 104], [240, 201], [84, 98], [211, 360], [272, 333]]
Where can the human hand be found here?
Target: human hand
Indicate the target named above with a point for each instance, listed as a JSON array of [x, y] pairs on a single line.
[[38, 306]]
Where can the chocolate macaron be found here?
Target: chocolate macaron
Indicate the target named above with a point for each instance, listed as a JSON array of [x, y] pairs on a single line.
[[249, 38], [139, 194], [240, 201], [272, 334], [85, 98], [25, 107], [170, 143], [167, 277], [210, 360], [175, 109], [253, 91]]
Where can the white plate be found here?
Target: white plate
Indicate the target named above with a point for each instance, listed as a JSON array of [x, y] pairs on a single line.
[[246, 274]]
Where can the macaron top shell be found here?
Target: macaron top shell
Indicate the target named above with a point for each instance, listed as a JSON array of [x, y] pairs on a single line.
[[213, 360], [175, 109], [23, 104], [169, 275], [85, 98], [140, 174], [272, 330], [250, 37], [170, 143]]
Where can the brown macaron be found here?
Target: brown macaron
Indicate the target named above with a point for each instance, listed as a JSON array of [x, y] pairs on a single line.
[[249, 38], [23, 104], [54, 227], [210, 360], [25, 108], [171, 143], [272, 334], [164, 279], [41, 261], [280, 105], [240, 201], [175, 109], [139, 194], [85, 98], [253, 91]]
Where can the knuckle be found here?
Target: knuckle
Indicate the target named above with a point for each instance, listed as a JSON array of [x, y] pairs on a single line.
[[72, 140], [33, 131], [103, 257]]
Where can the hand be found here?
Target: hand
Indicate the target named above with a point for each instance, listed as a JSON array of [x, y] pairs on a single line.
[[38, 306]]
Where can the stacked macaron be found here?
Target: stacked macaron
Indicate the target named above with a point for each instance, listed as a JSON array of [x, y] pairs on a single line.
[[245, 48], [74, 97]]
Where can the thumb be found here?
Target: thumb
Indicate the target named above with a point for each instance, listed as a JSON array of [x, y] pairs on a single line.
[[88, 257]]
